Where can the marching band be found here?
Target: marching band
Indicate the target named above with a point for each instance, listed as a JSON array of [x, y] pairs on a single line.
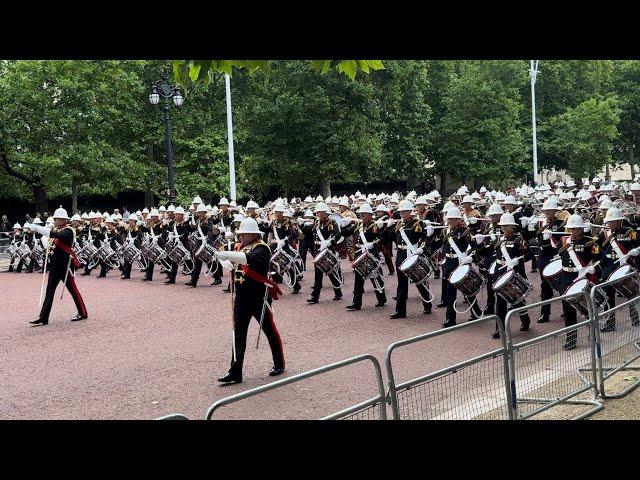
[[477, 243]]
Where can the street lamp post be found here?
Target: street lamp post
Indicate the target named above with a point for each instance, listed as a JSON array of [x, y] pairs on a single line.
[[163, 90]]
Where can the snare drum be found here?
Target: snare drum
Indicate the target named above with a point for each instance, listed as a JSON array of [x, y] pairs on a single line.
[[580, 302], [417, 269], [282, 260], [178, 253], [552, 272], [367, 265], [629, 287], [152, 251], [326, 261], [206, 253], [467, 280], [193, 241], [130, 252], [512, 286]]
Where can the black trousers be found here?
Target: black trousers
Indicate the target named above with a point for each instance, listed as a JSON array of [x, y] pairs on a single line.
[[546, 290], [243, 310], [502, 308], [195, 273], [149, 271], [126, 270], [56, 276], [306, 246], [358, 290], [19, 267], [217, 270], [317, 283], [491, 297], [611, 296], [174, 271]]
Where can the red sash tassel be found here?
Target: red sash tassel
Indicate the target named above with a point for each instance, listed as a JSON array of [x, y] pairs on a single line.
[[68, 250], [274, 288]]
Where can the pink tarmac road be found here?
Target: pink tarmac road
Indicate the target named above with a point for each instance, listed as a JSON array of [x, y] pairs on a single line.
[[150, 349]]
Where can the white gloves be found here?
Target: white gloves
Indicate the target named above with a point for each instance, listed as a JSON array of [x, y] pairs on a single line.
[[418, 251], [473, 220], [524, 221], [236, 257], [583, 272], [546, 235], [308, 224], [229, 235], [623, 259], [587, 227], [368, 246], [280, 244], [465, 259], [41, 230], [430, 231], [226, 264], [324, 244], [513, 263], [634, 252], [379, 223], [222, 229], [479, 238]]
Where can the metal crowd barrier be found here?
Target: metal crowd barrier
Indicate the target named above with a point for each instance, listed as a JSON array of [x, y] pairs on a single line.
[[476, 388], [542, 374], [374, 408], [173, 416], [617, 349]]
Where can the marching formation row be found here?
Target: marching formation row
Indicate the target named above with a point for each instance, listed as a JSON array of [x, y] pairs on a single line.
[[575, 236]]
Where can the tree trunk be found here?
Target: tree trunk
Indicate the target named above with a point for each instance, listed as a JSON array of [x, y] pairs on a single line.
[[443, 184], [632, 161], [607, 174], [324, 186], [40, 197], [412, 182], [148, 194], [74, 197]]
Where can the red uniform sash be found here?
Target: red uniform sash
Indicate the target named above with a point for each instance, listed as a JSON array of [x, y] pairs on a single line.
[[68, 250], [274, 289]]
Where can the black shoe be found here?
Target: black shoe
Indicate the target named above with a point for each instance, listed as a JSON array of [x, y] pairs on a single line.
[[569, 345], [609, 327], [353, 307], [524, 327], [472, 318], [436, 276], [488, 311], [226, 290], [84, 274], [441, 305], [169, 282], [397, 315], [426, 311], [39, 321], [230, 378], [79, 317], [145, 279], [543, 318], [337, 297], [391, 274], [394, 298], [533, 271], [312, 300], [496, 334], [191, 284], [295, 291], [217, 281], [380, 304], [11, 268], [276, 371], [448, 324], [101, 276]]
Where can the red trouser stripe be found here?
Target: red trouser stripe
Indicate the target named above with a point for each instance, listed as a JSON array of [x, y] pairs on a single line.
[[74, 290], [277, 334]]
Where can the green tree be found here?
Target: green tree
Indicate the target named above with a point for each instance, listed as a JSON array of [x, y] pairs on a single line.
[[584, 136]]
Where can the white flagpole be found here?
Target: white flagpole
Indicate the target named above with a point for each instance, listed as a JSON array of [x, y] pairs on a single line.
[[533, 72], [232, 167]]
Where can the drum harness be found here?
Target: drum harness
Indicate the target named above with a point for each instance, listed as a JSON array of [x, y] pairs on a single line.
[[337, 269], [378, 279], [411, 249]]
